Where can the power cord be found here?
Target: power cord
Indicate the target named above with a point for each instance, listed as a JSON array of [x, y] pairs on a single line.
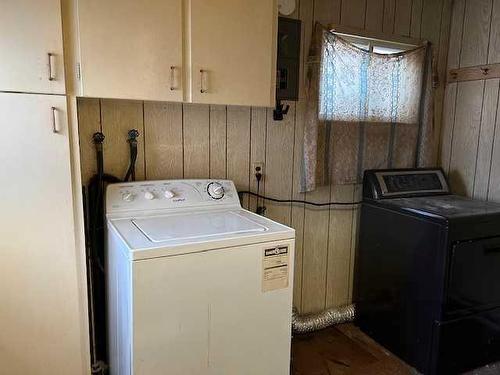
[[300, 201], [261, 210]]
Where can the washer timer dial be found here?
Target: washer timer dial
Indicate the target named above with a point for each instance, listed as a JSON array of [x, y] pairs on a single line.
[[215, 190]]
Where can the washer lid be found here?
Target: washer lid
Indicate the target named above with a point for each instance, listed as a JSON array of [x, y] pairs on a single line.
[[193, 226], [168, 234]]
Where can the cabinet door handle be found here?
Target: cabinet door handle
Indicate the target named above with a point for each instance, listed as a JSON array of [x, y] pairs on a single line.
[[203, 77], [55, 130], [52, 76], [173, 81]]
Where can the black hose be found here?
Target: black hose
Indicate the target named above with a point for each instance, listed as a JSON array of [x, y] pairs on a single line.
[[131, 169], [96, 254], [132, 141], [98, 139]]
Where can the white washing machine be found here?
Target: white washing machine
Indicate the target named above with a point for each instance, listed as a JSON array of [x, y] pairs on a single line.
[[196, 284]]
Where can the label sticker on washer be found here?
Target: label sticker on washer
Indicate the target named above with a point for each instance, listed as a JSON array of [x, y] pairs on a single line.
[[275, 263]]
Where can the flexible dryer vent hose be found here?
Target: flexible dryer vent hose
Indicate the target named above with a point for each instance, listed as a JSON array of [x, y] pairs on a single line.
[[314, 322]]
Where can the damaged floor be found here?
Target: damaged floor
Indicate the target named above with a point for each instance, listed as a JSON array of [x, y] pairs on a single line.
[[345, 350]]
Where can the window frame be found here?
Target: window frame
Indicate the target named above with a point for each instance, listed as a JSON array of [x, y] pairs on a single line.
[[376, 39], [373, 43]]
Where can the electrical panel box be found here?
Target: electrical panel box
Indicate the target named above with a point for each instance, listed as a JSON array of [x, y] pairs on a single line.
[[287, 80]]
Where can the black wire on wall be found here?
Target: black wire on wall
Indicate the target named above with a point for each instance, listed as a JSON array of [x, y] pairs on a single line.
[[300, 201]]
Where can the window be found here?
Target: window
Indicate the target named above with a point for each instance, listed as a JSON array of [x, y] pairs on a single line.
[[383, 47], [365, 79]]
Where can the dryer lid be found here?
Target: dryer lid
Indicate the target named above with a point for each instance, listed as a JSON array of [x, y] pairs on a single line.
[[446, 206], [195, 226]]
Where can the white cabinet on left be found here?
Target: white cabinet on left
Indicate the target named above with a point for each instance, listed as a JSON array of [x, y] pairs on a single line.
[[42, 320], [31, 46]]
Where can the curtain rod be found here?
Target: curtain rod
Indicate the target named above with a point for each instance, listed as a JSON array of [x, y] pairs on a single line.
[[375, 36], [390, 42]]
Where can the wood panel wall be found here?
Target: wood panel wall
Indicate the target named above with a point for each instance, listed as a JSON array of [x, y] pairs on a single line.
[[470, 147], [200, 141]]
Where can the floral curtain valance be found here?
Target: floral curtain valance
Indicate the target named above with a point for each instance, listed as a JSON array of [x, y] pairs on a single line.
[[364, 110]]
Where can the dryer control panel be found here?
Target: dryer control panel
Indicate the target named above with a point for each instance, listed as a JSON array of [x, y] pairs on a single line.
[[152, 195]]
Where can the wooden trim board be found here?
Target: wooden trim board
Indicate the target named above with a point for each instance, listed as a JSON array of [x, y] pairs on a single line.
[[474, 73]]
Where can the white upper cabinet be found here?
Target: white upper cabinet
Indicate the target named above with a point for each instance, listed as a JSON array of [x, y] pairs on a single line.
[[200, 51], [233, 51], [131, 49], [31, 46]]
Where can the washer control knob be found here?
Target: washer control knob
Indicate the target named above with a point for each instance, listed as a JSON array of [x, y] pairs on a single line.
[[168, 194], [215, 190], [149, 195], [128, 196]]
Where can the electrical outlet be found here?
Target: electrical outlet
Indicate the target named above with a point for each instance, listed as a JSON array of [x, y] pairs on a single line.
[[258, 166]]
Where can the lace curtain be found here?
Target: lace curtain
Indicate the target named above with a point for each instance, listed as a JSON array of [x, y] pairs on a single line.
[[365, 111]]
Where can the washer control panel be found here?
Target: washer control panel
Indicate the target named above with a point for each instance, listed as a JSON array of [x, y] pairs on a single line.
[[147, 195]]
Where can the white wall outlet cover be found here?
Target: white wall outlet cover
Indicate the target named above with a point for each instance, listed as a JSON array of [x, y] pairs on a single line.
[[286, 7]]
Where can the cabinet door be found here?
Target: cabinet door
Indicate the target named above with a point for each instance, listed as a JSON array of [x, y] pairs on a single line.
[[233, 51], [131, 49], [31, 49], [473, 275], [40, 318]]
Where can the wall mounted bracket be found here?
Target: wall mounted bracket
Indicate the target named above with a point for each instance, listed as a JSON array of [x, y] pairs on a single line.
[[280, 110]]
